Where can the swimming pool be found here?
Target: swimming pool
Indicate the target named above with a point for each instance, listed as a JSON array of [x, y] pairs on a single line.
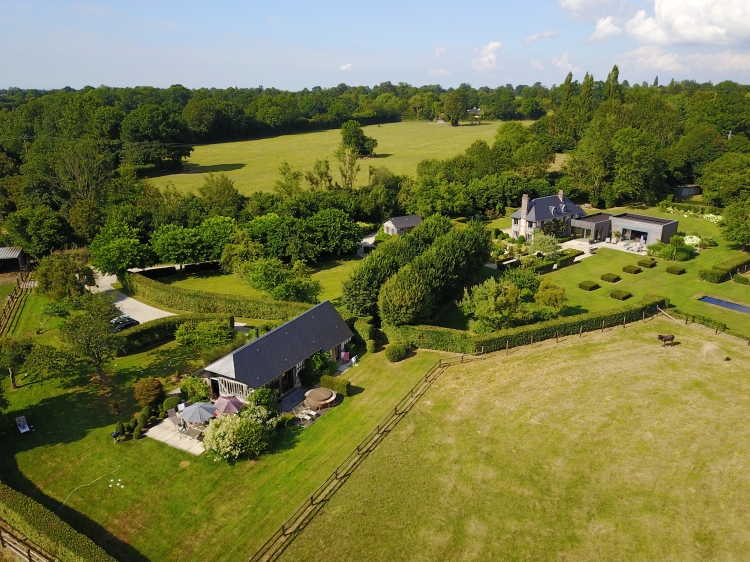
[[726, 304]]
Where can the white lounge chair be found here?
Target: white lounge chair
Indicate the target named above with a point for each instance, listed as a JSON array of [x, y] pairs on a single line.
[[23, 427]]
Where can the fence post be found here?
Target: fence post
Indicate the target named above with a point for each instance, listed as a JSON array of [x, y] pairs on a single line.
[[532, 339], [717, 329], [580, 332], [644, 315], [507, 343], [2, 540], [602, 326], [557, 340], [623, 321]]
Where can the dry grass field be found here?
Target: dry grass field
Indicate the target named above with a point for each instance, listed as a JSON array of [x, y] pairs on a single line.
[[606, 447]]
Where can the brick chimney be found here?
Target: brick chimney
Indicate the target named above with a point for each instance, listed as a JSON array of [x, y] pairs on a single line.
[[524, 206], [561, 195]]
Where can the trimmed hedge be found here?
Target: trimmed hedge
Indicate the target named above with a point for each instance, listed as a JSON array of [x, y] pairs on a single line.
[[698, 319], [634, 269], [162, 329], [620, 295], [337, 384], [364, 329], [567, 257], [734, 264], [588, 285], [396, 352], [610, 277], [542, 268], [741, 279], [676, 269], [713, 275], [648, 264], [47, 530], [171, 403], [456, 341], [205, 302]]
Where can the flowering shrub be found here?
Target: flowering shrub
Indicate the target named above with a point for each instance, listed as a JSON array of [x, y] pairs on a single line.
[[716, 219], [692, 240], [230, 437]]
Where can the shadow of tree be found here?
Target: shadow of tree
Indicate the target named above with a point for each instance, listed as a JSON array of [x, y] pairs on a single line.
[[197, 169], [61, 420]]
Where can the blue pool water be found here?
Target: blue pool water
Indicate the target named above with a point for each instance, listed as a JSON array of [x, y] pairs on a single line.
[[726, 304]]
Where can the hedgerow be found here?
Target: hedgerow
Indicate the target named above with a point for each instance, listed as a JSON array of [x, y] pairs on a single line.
[[364, 329], [567, 257], [47, 530], [735, 264], [456, 341], [337, 384], [713, 275], [205, 302], [741, 279], [698, 319], [162, 329]]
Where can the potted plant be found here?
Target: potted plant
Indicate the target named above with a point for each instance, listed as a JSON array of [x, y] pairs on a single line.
[[616, 235]]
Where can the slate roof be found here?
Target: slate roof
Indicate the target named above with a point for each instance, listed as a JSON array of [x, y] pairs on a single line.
[[409, 221], [269, 356], [540, 209], [10, 252]]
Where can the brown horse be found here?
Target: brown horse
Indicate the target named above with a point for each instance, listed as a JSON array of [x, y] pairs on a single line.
[[666, 339]]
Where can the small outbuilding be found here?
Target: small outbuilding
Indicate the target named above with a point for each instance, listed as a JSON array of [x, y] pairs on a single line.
[[649, 229], [401, 225], [12, 259]]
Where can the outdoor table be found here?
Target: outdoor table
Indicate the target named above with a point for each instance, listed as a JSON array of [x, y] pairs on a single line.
[[320, 394]]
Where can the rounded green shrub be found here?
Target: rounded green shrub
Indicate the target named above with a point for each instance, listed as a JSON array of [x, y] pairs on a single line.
[[171, 403], [370, 346], [137, 433], [152, 420], [120, 428], [396, 352], [142, 420]]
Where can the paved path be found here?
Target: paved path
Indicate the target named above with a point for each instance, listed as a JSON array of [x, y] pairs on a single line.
[[128, 305], [165, 432]]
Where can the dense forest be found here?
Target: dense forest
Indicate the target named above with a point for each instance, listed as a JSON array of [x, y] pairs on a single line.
[[75, 164]]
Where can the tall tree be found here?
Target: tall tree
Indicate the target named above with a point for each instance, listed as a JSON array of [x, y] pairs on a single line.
[[736, 220], [220, 197], [455, 106], [64, 275], [13, 353]]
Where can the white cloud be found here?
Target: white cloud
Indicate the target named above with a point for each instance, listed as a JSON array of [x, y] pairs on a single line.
[[725, 62], [487, 56], [715, 22], [564, 64], [347, 66], [539, 35], [581, 7], [651, 57], [605, 28], [440, 51], [536, 63], [439, 72]]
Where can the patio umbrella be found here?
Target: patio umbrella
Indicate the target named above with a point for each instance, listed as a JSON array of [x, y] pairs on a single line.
[[228, 404], [198, 413]]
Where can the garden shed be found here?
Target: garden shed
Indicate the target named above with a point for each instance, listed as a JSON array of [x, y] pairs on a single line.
[[12, 258], [276, 358]]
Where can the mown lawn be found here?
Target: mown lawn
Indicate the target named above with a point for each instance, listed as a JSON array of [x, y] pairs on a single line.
[[603, 448], [330, 272], [254, 164], [206, 510]]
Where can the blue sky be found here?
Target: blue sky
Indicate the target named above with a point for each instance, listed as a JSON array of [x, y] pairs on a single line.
[[294, 44]]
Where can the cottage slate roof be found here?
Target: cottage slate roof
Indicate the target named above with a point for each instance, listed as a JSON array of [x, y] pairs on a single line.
[[10, 252], [540, 209], [269, 356], [409, 221]]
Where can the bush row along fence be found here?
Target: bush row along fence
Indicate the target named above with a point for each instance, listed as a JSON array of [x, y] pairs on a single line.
[[46, 530], [212, 303], [11, 539], [163, 329], [283, 536], [21, 290], [723, 271], [457, 341]]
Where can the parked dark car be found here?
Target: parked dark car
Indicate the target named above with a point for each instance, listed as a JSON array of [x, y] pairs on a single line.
[[122, 322]]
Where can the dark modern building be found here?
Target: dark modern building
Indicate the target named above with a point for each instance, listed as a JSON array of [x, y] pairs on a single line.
[[276, 358]]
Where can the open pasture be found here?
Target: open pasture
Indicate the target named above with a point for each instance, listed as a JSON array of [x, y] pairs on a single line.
[[254, 164], [606, 447]]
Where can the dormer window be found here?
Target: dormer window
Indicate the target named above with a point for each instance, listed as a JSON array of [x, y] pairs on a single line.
[[564, 208], [552, 210]]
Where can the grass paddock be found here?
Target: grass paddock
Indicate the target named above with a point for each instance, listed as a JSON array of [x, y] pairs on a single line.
[[606, 447]]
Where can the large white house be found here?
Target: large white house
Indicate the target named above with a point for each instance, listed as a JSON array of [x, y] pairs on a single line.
[[534, 214]]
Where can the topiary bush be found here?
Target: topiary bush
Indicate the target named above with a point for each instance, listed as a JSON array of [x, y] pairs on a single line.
[[142, 420], [610, 277], [741, 279], [137, 432], [675, 269], [171, 403], [588, 285], [120, 428], [370, 344], [648, 264], [620, 295], [634, 269], [396, 352], [152, 420]]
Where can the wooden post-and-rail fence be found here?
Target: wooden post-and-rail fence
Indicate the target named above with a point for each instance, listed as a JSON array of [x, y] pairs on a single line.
[[275, 545], [24, 285], [18, 544]]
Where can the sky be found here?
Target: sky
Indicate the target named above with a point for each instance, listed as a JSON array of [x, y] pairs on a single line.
[[300, 44]]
